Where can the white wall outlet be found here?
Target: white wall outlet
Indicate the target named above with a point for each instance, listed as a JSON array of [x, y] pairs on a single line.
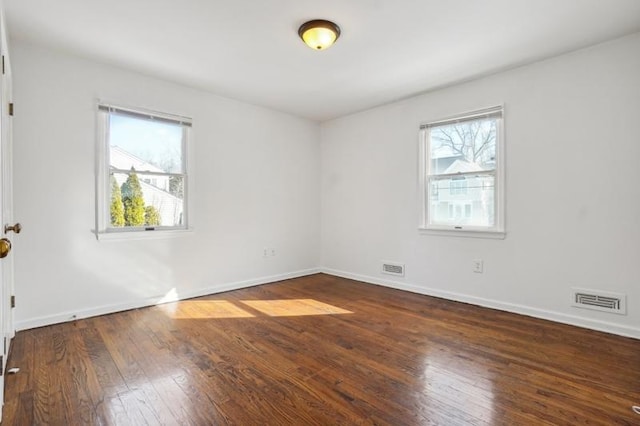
[[265, 252], [272, 251], [477, 266]]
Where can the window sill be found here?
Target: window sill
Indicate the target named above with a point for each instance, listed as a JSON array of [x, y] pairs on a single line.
[[466, 233], [143, 235]]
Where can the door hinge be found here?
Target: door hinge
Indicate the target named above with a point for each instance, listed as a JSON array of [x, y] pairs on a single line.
[[11, 109], [2, 64], [13, 301], [1, 365]]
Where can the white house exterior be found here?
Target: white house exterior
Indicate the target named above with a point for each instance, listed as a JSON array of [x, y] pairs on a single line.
[[462, 200]]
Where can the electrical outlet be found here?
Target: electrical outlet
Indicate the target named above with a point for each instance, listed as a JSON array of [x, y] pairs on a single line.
[[272, 251], [477, 266], [265, 252]]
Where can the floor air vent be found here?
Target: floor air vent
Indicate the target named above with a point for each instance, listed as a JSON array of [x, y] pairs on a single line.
[[393, 268], [599, 301]]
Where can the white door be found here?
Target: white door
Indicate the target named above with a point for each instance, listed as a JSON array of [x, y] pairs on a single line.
[[7, 227]]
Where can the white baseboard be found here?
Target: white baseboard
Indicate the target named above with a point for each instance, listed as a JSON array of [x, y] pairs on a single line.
[[578, 321], [140, 303]]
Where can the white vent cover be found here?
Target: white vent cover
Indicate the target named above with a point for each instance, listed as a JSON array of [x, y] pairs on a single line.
[[393, 268], [597, 300]]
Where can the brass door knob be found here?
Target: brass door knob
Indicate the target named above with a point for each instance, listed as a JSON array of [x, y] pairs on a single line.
[[5, 247], [15, 228]]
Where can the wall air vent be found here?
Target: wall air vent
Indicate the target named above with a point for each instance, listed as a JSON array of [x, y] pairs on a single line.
[[599, 300], [392, 268]]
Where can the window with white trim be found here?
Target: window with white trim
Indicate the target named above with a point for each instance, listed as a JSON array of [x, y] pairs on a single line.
[[142, 180], [461, 173]]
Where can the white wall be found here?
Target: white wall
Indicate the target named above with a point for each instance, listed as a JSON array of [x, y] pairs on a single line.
[[573, 205], [257, 181], [572, 128]]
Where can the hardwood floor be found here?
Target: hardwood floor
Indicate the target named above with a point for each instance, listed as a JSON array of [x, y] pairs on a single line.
[[320, 350]]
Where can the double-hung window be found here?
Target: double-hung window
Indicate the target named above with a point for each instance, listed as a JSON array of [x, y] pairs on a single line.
[[142, 181], [461, 174]]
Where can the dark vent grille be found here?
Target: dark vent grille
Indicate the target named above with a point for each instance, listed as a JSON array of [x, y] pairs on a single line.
[[393, 269], [600, 301], [597, 300]]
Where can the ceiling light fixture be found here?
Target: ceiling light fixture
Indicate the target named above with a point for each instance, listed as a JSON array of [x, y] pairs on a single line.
[[319, 34]]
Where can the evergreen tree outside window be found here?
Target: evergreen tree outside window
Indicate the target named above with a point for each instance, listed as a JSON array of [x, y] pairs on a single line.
[[116, 207], [133, 200], [142, 171], [151, 216]]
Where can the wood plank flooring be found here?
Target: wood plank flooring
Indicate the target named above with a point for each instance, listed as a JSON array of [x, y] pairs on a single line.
[[320, 350]]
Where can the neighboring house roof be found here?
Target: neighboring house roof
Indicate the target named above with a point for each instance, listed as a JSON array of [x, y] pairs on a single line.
[[168, 205], [125, 160], [439, 165], [461, 166], [153, 191]]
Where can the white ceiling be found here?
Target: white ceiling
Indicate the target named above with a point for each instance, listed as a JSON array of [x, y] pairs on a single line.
[[249, 49]]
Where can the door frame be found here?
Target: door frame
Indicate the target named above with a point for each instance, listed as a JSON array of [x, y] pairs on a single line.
[[7, 330]]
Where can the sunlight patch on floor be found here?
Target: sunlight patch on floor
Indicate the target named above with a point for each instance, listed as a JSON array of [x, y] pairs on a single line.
[[294, 307], [199, 309], [214, 309]]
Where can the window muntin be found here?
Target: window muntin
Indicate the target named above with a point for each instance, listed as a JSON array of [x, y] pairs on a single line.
[[143, 171], [461, 173]]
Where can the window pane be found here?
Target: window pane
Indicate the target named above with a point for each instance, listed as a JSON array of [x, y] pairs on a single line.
[[458, 186], [469, 146], [145, 145], [139, 199], [462, 201]]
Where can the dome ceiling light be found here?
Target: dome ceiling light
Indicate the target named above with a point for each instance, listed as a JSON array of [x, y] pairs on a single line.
[[319, 34]]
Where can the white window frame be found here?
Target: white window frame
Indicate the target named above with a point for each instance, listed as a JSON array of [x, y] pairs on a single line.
[[425, 187], [103, 231]]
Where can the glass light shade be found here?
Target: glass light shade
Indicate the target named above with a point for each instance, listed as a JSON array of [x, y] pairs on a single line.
[[319, 34]]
